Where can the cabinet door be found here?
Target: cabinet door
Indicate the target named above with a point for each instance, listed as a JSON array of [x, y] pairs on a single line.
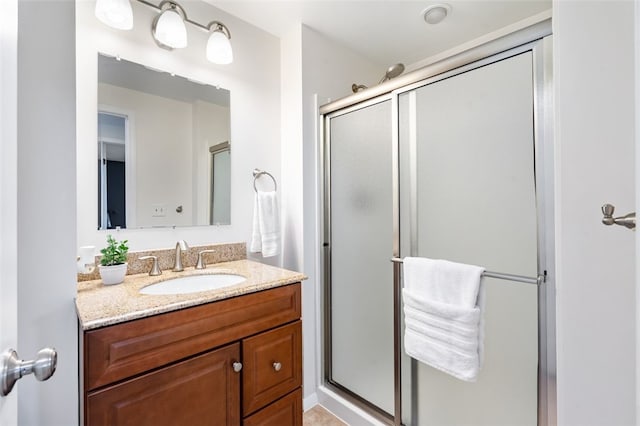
[[203, 390], [287, 411], [272, 366]]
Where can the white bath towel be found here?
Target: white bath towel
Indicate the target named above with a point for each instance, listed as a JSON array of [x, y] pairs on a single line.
[[443, 305], [443, 281], [265, 237]]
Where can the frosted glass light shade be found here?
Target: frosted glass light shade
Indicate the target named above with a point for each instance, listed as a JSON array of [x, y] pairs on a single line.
[[436, 13], [170, 30], [115, 13], [219, 48]]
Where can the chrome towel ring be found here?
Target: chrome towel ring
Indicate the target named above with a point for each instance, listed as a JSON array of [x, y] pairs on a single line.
[[257, 173]]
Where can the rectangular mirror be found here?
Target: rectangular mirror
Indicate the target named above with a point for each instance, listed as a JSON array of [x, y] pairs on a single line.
[[163, 149]]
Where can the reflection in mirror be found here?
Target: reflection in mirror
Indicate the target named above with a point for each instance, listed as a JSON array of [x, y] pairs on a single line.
[[220, 185], [112, 131], [163, 149]]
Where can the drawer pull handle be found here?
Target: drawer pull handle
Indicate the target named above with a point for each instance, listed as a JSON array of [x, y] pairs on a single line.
[[277, 366], [237, 366]]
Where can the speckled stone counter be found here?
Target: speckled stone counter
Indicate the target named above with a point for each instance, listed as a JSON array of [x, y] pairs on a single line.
[[99, 305]]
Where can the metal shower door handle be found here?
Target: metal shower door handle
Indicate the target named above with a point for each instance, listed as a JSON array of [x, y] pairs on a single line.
[[12, 368]]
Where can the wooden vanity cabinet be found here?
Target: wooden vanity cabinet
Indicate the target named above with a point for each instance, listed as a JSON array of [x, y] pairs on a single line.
[[177, 368]]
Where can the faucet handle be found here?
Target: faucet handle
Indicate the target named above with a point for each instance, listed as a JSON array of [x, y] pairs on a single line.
[[201, 263], [155, 269]]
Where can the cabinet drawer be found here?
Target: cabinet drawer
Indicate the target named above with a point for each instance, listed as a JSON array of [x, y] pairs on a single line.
[[272, 366], [287, 411], [123, 350], [204, 390]]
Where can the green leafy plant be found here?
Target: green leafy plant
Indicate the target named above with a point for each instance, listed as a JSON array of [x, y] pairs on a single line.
[[115, 253]]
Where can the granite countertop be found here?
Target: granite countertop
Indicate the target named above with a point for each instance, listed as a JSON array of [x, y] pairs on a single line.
[[99, 305]]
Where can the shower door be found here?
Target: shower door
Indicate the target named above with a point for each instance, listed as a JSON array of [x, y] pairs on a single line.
[[468, 194], [450, 167], [359, 239]]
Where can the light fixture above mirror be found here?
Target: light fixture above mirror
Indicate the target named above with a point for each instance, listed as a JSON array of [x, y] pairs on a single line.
[[219, 47], [169, 27], [115, 13]]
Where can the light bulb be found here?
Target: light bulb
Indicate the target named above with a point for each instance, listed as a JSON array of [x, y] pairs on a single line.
[[170, 30], [115, 13], [219, 48]]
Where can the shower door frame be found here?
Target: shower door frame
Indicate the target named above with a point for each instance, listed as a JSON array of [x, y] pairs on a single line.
[[541, 47], [327, 345]]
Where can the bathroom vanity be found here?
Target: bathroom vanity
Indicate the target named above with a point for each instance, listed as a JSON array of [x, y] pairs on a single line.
[[222, 357]]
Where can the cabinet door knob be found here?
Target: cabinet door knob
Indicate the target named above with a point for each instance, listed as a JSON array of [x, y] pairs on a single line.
[[277, 366], [237, 366]]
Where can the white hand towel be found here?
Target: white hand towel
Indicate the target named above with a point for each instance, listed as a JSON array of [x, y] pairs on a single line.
[[265, 237], [443, 309], [256, 238]]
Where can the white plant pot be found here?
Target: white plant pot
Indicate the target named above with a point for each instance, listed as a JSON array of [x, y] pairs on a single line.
[[113, 274]]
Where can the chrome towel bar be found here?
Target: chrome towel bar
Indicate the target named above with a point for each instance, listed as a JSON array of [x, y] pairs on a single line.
[[519, 278]]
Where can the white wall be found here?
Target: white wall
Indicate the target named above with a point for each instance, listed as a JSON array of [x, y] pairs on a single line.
[[329, 69], [46, 207], [637, 164], [594, 136], [8, 193], [291, 122], [253, 80]]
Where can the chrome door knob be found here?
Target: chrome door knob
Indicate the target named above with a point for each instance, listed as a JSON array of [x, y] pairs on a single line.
[[237, 366], [277, 366], [12, 368]]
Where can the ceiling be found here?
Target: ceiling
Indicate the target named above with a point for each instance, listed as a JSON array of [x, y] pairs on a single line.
[[385, 32]]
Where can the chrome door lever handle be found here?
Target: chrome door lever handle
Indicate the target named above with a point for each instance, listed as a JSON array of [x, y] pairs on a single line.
[[12, 368], [628, 220]]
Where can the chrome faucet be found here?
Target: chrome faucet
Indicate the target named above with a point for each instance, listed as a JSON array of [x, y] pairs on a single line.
[[180, 246]]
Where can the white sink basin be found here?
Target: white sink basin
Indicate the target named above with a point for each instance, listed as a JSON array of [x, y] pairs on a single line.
[[193, 284]]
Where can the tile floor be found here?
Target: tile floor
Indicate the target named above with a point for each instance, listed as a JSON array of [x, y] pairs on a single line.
[[318, 416]]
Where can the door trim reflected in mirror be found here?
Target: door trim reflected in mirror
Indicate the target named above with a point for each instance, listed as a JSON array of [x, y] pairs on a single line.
[[220, 194]]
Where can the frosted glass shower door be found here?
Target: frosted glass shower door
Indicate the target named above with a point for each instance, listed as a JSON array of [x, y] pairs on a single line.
[[468, 195], [361, 232]]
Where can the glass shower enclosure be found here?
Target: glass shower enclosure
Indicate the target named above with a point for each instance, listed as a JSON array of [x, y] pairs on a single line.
[[450, 167]]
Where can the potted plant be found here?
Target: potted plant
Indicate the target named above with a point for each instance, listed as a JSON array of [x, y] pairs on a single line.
[[113, 264]]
